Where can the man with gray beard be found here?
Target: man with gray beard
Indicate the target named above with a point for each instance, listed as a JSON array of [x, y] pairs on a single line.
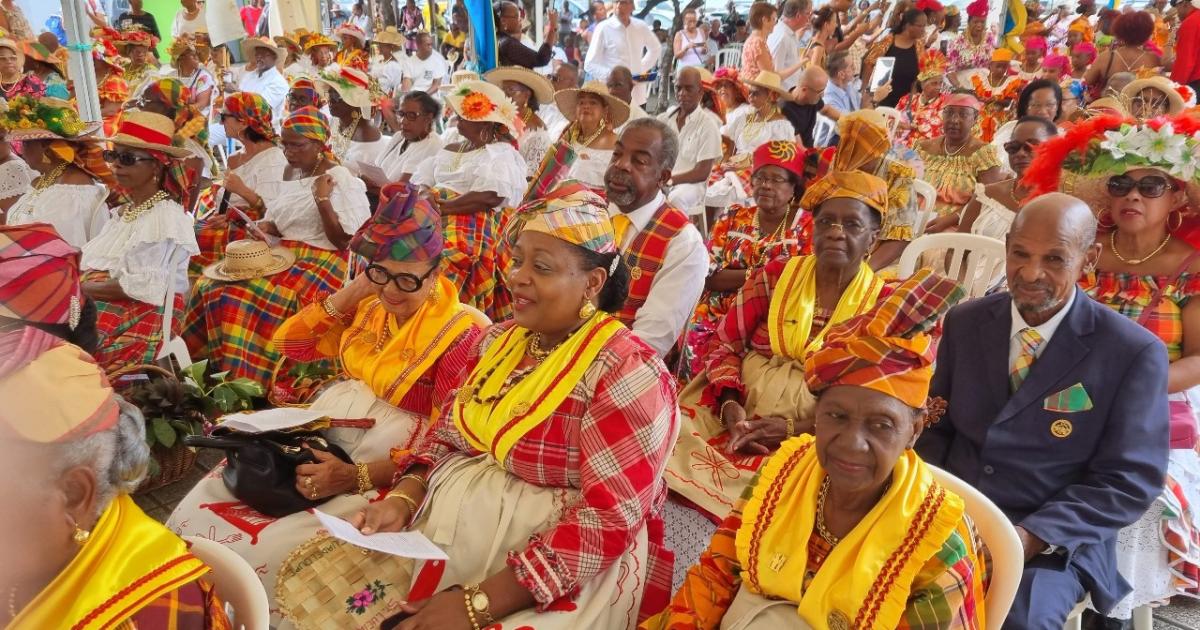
[[665, 252]]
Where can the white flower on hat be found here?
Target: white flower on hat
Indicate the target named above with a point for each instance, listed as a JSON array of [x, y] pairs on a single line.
[[1163, 146], [1120, 142], [1189, 164]]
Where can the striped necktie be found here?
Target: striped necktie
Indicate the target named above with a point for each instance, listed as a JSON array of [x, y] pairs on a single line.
[[621, 225], [1031, 340]]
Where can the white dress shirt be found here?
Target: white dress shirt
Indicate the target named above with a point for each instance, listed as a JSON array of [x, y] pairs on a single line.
[[1046, 330], [390, 72], [613, 44], [699, 140], [397, 159], [785, 51], [677, 285], [271, 86]]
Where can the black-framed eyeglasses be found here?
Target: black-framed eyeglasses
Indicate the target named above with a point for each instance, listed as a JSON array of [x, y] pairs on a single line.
[[409, 115], [1150, 186], [406, 282], [123, 158], [1012, 147]]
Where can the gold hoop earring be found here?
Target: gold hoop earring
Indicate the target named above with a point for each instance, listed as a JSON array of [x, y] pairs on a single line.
[[587, 310], [1105, 225], [1178, 214]]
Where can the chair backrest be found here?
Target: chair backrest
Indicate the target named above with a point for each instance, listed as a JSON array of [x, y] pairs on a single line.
[[236, 584], [894, 118], [974, 261], [730, 56], [173, 345], [926, 202], [1000, 537]]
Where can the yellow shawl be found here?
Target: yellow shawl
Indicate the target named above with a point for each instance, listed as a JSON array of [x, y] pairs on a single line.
[[795, 299], [866, 578], [497, 426], [129, 561]]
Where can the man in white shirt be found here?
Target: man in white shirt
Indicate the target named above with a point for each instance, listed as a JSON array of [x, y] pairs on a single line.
[[359, 18], [785, 45], [425, 69], [699, 143], [265, 79], [665, 253], [623, 40], [620, 84], [565, 77]]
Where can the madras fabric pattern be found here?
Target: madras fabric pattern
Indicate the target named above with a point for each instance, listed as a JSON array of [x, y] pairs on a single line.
[[471, 259], [356, 58], [39, 275], [213, 239], [1130, 295], [1181, 538], [864, 138], [571, 212], [405, 228], [112, 89], [129, 331], [231, 323], [555, 165], [87, 157], [610, 440], [852, 184], [193, 606], [253, 111], [940, 597], [645, 255], [189, 121], [309, 122], [737, 243], [1031, 340]]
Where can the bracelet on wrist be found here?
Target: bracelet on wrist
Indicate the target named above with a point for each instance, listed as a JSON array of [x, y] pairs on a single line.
[[409, 501], [364, 478], [726, 404], [415, 477], [331, 310]]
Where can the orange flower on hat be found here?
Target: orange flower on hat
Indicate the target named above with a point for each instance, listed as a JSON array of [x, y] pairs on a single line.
[[476, 106]]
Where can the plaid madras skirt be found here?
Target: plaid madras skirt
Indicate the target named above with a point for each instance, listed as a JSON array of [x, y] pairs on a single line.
[[129, 331], [232, 323], [475, 261], [212, 240]]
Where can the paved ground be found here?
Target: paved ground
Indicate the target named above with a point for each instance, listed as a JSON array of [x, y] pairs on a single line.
[[1181, 614]]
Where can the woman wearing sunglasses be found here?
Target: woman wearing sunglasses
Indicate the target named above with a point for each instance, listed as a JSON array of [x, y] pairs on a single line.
[[142, 252], [319, 204], [172, 99], [1149, 271], [391, 329], [991, 211]]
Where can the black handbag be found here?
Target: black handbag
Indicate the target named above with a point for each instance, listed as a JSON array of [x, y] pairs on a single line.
[[260, 468]]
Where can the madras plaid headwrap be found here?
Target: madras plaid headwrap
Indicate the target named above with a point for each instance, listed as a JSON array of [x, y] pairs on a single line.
[[39, 275], [782, 153], [307, 87], [189, 121], [864, 138], [309, 122], [253, 111], [888, 348], [87, 157], [868, 189], [571, 212], [406, 227]]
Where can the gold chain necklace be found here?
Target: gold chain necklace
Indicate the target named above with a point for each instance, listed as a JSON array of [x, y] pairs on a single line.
[[132, 213], [765, 242], [946, 147], [822, 529], [1112, 243], [576, 129], [51, 178]]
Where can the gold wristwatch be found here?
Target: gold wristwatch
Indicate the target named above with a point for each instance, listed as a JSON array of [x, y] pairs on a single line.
[[479, 603]]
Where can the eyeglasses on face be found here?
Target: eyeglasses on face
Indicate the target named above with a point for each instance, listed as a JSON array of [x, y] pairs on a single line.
[[1150, 186], [851, 227], [1012, 147], [406, 282], [409, 115], [123, 158], [769, 180]]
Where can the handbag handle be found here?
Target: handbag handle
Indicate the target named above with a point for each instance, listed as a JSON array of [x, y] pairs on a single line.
[[204, 441]]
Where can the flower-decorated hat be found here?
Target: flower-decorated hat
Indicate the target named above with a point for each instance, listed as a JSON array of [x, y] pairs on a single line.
[[933, 64], [136, 36], [479, 101], [28, 118], [351, 84], [319, 39], [352, 31]]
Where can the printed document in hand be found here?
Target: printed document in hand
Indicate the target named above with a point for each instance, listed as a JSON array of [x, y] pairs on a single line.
[[270, 419], [404, 544]]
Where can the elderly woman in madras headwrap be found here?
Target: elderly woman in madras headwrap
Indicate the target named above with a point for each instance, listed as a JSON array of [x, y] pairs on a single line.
[[169, 97], [559, 511], [392, 328], [319, 205], [39, 285], [473, 181], [853, 497], [751, 395], [78, 553], [199, 81], [142, 252], [71, 191]]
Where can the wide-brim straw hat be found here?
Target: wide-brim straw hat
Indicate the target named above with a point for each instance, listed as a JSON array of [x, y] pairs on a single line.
[[353, 31], [66, 115], [391, 37], [543, 91], [248, 259], [458, 78], [147, 130], [319, 39], [480, 101], [251, 43], [351, 84], [1175, 102], [38, 52], [17, 49], [567, 100], [768, 80]]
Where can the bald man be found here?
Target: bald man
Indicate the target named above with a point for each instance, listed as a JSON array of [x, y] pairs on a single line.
[[620, 84], [806, 102], [699, 132], [1057, 411]]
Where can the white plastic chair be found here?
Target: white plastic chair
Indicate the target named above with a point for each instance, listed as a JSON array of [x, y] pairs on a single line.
[[1000, 537], [976, 271], [730, 56], [926, 202], [1143, 616], [236, 584], [173, 345]]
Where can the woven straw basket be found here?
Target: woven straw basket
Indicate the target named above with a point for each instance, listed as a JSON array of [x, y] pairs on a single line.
[[327, 584]]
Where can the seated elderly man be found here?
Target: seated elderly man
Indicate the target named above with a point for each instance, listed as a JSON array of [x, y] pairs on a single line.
[[699, 132], [665, 252], [1057, 411], [620, 84]]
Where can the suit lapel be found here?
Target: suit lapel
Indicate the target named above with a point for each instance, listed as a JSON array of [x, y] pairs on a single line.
[[995, 340], [1063, 352]]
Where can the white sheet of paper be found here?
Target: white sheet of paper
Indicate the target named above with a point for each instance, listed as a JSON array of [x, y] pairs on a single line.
[[404, 544], [270, 419], [371, 173]]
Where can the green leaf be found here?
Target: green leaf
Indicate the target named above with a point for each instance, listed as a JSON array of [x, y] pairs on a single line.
[[163, 432], [246, 388], [195, 372], [227, 399], [219, 376], [153, 469]]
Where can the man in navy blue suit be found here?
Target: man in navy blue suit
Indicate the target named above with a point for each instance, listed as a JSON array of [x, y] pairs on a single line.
[[1057, 411]]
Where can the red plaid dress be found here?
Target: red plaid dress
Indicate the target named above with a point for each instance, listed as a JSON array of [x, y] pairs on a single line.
[[610, 440], [129, 331]]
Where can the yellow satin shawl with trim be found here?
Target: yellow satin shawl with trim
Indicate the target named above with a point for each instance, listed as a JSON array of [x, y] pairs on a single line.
[[866, 578], [496, 427], [129, 561], [795, 300]]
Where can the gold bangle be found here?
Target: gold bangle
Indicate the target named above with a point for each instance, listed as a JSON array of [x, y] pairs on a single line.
[[331, 310], [470, 609], [364, 479], [791, 426], [321, 199], [415, 477], [726, 404], [411, 502]]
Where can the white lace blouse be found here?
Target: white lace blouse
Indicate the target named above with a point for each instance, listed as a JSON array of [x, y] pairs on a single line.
[[262, 173], [534, 145], [750, 135], [78, 212], [397, 159], [590, 166], [16, 178], [294, 210], [497, 167], [367, 152], [138, 253]]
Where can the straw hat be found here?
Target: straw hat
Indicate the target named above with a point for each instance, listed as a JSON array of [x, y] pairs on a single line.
[[147, 130], [351, 84], [12, 45], [768, 80], [458, 78], [391, 37], [250, 44], [38, 52], [45, 118], [543, 91], [567, 100], [352, 31], [478, 101], [319, 39], [247, 259], [1175, 102]]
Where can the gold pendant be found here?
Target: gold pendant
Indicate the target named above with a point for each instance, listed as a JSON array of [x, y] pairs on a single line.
[[520, 409], [1061, 428]]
